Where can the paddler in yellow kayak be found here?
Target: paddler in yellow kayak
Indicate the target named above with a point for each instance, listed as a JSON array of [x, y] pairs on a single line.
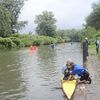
[[71, 69], [66, 70]]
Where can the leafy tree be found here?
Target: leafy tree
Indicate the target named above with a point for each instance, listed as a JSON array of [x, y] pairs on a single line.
[[89, 32], [46, 24], [5, 22], [74, 35], [20, 25], [70, 34], [94, 18], [14, 7]]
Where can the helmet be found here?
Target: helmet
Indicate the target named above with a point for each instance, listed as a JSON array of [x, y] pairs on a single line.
[[86, 38], [69, 61]]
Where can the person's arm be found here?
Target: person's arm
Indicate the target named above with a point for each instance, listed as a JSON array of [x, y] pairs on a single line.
[[70, 77], [65, 71], [64, 68]]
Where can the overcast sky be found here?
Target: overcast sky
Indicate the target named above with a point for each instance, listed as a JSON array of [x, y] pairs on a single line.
[[68, 13]]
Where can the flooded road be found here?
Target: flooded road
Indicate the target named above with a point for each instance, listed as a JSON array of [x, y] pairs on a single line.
[[27, 75]]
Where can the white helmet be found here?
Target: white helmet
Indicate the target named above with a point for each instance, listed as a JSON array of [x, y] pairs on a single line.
[[69, 61], [86, 38]]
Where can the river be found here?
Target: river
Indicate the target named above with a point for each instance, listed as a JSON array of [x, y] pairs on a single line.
[[28, 75]]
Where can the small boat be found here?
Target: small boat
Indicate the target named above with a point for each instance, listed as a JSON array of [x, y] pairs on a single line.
[[68, 87]]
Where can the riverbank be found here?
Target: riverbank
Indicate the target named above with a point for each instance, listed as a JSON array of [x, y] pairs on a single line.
[[27, 40], [93, 65], [90, 91]]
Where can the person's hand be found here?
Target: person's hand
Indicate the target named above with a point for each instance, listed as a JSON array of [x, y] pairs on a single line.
[[70, 77]]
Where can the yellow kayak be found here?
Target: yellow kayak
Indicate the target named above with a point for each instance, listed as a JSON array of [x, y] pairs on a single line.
[[68, 87]]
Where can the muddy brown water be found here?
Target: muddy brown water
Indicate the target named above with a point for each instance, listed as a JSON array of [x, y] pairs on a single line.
[[35, 75]]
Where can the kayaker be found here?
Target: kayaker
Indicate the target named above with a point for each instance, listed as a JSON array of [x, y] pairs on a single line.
[[79, 70], [66, 70], [53, 45]]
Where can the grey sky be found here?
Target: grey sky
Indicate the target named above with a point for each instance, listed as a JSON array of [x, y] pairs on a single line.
[[69, 13]]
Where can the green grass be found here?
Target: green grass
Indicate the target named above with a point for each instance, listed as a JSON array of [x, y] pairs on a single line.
[[92, 51]]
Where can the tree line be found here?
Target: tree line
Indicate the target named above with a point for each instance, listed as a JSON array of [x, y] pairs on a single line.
[[46, 24], [9, 14]]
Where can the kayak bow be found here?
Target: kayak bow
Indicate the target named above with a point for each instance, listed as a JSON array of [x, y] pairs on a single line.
[[68, 87]]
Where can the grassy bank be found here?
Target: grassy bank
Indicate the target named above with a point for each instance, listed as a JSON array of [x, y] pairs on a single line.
[[26, 40], [92, 50]]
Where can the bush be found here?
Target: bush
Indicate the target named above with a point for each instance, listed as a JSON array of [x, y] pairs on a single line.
[[15, 35], [1, 41], [17, 41], [59, 39], [26, 42]]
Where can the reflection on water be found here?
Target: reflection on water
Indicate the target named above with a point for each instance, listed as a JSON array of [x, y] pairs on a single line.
[[26, 75], [46, 62], [11, 85]]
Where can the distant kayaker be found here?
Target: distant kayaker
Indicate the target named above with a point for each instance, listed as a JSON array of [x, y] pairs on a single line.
[[80, 71], [53, 45]]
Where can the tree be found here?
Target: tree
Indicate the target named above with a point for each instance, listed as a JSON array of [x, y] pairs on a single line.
[[5, 22], [74, 35], [14, 7], [20, 25], [45, 24], [90, 33], [94, 18]]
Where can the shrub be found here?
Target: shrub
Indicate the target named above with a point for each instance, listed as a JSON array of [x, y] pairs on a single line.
[[17, 41], [8, 42]]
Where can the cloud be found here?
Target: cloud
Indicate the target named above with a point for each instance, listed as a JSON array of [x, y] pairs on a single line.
[[69, 13]]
